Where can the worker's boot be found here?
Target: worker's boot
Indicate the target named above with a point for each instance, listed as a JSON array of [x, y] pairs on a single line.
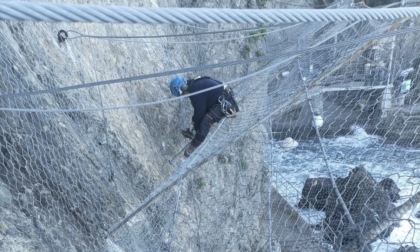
[[190, 149]]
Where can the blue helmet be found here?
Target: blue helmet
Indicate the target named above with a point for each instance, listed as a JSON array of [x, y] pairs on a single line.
[[176, 85]]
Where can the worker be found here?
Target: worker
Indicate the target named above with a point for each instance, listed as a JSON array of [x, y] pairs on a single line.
[[209, 106]]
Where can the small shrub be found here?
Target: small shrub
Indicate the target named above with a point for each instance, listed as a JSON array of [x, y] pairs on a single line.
[[224, 159], [261, 4], [376, 3], [257, 36], [245, 51], [243, 164], [200, 183], [259, 53]]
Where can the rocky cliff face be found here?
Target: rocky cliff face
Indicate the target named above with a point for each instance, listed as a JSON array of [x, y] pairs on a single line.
[[68, 176]]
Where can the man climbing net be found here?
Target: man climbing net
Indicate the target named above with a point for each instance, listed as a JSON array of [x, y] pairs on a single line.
[[209, 107]]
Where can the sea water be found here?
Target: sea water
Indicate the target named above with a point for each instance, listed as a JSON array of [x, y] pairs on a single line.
[[291, 167]]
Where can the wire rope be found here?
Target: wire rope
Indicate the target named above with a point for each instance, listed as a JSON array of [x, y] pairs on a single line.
[[127, 39], [184, 70], [52, 12], [81, 35]]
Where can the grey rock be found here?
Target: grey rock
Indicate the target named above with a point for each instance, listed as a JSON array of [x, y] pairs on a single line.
[[5, 196]]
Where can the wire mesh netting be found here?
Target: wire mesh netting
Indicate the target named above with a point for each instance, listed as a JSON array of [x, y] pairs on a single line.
[[322, 156]]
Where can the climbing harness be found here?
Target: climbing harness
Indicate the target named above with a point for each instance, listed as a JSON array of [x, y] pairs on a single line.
[[228, 104]]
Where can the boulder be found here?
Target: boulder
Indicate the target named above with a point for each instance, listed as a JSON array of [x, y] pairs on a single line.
[[315, 193], [391, 188], [366, 200]]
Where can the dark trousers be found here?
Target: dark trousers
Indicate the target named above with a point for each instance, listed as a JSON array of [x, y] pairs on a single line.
[[213, 116]]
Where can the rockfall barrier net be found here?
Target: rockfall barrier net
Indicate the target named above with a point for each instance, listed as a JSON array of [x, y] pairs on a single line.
[[323, 155]]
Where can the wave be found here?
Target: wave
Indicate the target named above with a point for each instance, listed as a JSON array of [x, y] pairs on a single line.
[[358, 138]]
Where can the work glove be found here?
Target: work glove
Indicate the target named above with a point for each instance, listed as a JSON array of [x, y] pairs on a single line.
[[188, 134]]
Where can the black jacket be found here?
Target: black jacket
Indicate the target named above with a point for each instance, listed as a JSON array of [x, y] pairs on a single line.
[[203, 102]]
